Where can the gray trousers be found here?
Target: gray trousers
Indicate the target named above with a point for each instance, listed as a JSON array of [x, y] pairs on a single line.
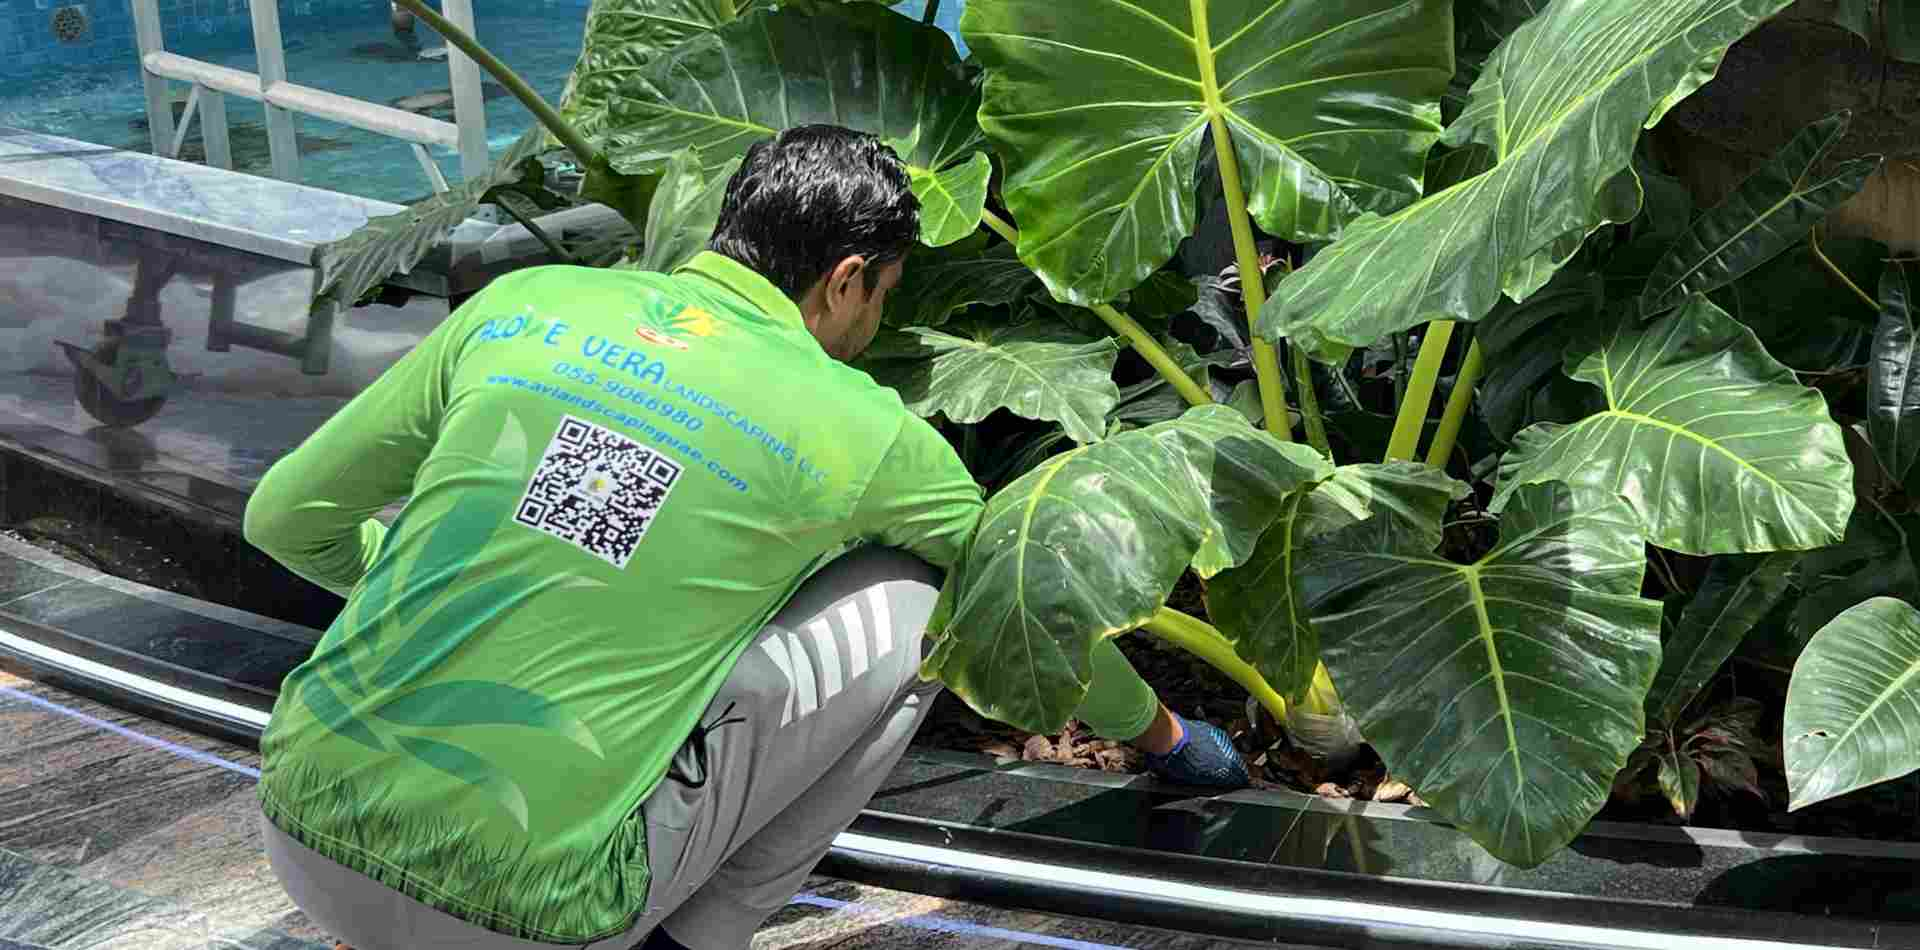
[[818, 711]]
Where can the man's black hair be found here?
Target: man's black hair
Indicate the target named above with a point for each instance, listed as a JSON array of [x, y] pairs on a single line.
[[811, 197]]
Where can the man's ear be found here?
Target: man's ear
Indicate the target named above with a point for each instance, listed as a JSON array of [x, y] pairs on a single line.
[[847, 282]]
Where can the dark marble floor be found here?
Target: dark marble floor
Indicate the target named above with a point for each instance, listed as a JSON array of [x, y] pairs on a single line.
[[120, 833]]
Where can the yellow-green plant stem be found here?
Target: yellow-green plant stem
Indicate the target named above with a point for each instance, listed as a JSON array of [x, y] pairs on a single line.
[[1253, 285], [1458, 402], [570, 137], [1199, 638], [1412, 417], [1813, 243], [1129, 329]]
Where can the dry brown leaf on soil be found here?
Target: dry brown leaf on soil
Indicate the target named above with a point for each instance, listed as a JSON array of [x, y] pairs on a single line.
[[1330, 790], [1039, 749], [1392, 790]]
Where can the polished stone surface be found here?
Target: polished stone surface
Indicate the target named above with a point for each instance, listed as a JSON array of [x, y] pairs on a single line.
[[111, 841]]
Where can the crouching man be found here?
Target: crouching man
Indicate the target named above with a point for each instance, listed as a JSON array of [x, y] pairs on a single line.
[[645, 636]]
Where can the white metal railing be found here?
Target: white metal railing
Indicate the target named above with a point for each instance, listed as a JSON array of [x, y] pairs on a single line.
[[283, 98]]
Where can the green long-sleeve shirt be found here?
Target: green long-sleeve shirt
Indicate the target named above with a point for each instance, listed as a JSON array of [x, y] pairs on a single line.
[[613, 480]]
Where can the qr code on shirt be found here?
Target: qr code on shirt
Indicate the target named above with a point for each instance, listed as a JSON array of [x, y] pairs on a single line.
[[598, 489]]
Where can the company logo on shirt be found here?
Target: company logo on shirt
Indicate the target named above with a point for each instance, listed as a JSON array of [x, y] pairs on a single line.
[[670, 323]]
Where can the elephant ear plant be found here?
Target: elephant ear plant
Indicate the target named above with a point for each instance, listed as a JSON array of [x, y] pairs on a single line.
[[1626, 477]]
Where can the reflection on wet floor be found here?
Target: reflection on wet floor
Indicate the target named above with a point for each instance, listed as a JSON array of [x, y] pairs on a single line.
[[120, 833]]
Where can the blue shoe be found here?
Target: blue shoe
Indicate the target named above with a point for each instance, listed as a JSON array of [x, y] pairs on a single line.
[[1204, 756]]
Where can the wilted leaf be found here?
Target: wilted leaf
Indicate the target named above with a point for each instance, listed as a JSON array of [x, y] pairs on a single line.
[[1508, 691], [1037, 370], [344, 270], [1561, 105], [1101, 109], [1713, 442], [1738, 591], [1679, 782], [1031, 604], [1257, 605], [1772, 210], [1853, 709], [863, 67], [482, 703], [1893, 377], [937, 284], [684, 211]]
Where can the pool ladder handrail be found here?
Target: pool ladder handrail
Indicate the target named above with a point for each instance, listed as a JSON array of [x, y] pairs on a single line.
[[212, 83]]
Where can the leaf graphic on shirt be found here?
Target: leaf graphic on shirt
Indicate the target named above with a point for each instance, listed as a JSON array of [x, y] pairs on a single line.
[[473, 770], [334, 714], [510, 449], [480, 703]]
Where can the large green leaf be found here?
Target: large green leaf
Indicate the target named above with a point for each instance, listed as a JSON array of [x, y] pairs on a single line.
[[939, 283], [1257, 605], [862, 66], [1714, 443], [344, 270], [1038, 370], [1889, 25], [1893, 377], [1560, 106], [1771, 211], [1508, 691], [1030, 603], [1101, 109], [622, 36], [684, 211], [1738, 591], [1853, 709]]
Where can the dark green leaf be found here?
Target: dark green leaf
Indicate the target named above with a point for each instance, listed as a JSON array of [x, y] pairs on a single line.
[[1667, 211], [1889, 25], [861, 66], [1037, 370], [1155, 400], [1850, 719], [481, 703], [1893, 377], [1874, 560], [1524, 381], [1162, 295], [1738, 592], [1101, 109], [1508, 691], [1257, 604], [1031, 604], [473, 770], [937, 284], [1713, 442], [1802, 315], [392, 244], [1769, 212], [1561, 104]]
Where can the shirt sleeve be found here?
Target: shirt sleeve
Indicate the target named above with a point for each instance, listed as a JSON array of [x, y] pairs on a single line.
[[922, 499], [313, 512]]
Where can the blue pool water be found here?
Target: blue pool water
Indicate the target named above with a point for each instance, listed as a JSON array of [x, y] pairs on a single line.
[[350, 55]]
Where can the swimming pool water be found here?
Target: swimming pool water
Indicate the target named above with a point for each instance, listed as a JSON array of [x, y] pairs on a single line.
[[105, 103]]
